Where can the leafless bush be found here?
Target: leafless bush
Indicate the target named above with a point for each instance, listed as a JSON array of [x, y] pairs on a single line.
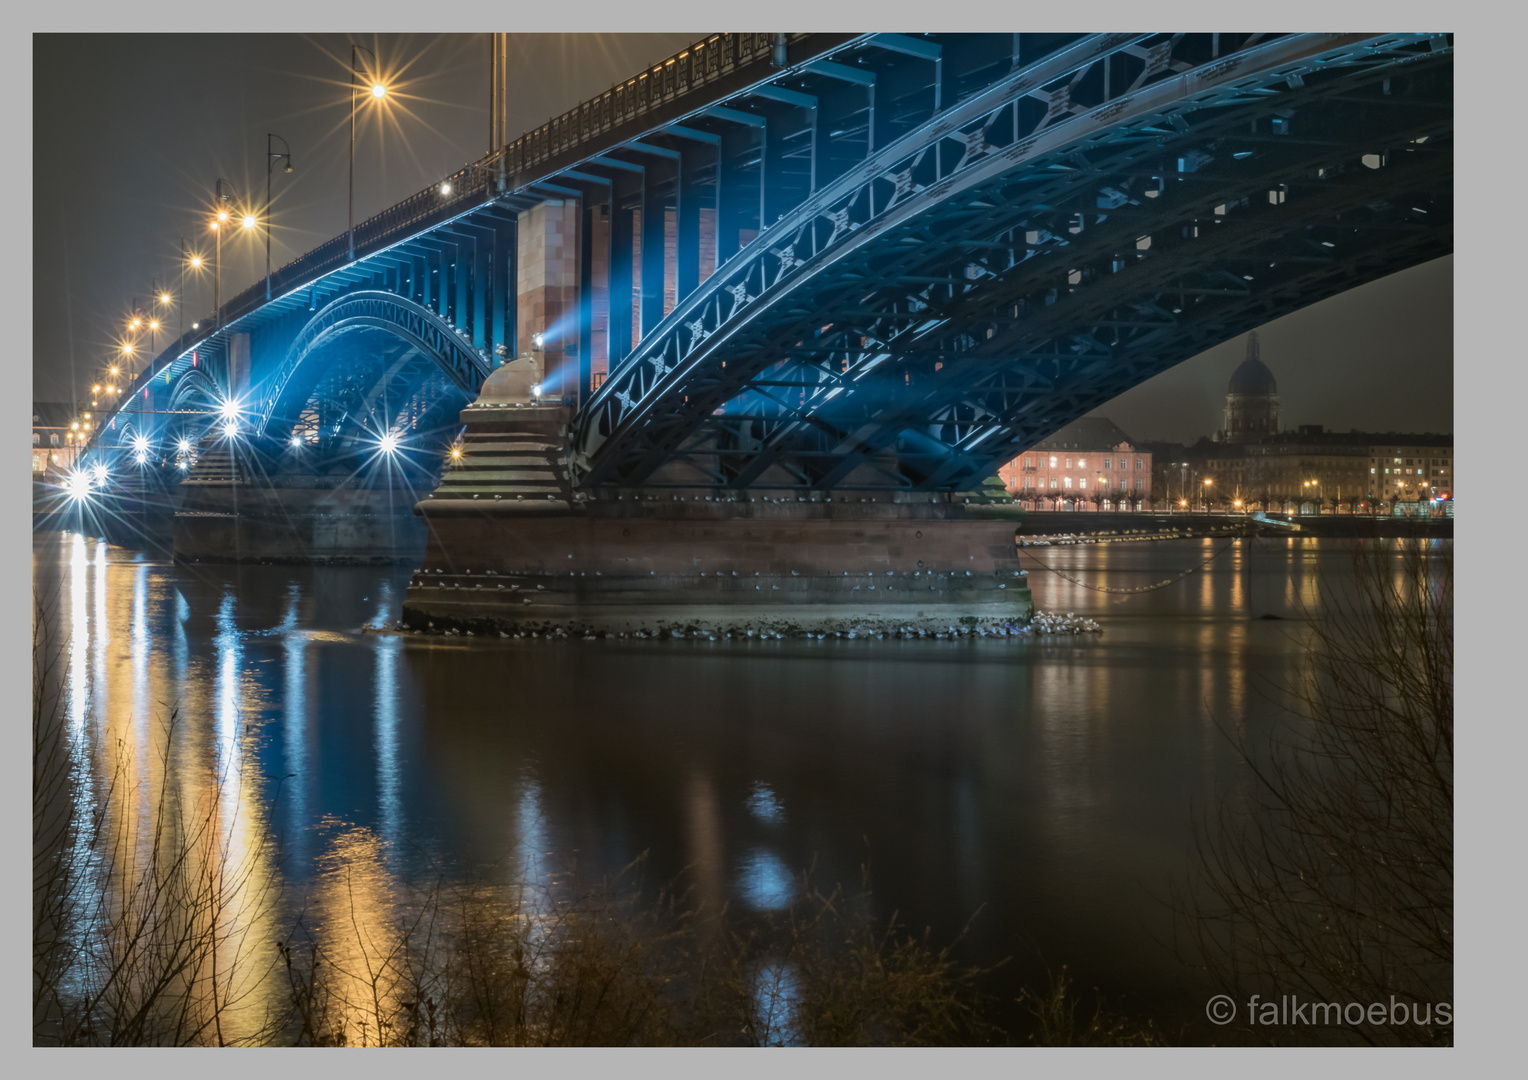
[[1331, 875], [608, 967], [1054, 1013]]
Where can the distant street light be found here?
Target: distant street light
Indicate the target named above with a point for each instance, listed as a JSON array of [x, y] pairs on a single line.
[[217, 282], [270, 159], [378, 91], [196, 264]]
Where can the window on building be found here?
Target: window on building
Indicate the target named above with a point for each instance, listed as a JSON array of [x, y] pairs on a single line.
[[1123, 483], [1138, 483], [1068, 463], [1053, 464], [1106, 463], [1082, 463], [1069, 483], [1053, 483], [1137, 463], [1029, 462], [1082, 482], [1029, 481], [53, 438], [36, 438]]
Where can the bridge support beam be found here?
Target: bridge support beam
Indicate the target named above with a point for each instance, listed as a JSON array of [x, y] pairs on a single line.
[[546, 291]]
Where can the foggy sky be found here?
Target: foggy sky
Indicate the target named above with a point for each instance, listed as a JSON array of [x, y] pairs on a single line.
[[132, 131]]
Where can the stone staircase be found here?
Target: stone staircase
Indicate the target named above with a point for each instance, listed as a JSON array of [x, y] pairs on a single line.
[[513, 458], [215, 464]]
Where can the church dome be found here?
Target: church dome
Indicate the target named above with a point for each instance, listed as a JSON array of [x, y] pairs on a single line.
[[1252, 377]]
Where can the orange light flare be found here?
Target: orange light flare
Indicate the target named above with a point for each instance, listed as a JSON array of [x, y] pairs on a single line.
[[391, 108]]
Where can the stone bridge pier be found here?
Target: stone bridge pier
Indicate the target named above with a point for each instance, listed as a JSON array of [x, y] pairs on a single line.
[[513, 549]]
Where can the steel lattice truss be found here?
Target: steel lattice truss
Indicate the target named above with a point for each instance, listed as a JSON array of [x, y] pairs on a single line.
[[307, 393], [1048, 243]]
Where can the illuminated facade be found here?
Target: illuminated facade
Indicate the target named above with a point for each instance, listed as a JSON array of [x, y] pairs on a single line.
[[1311, 470], [57, 434], [1088, 465]]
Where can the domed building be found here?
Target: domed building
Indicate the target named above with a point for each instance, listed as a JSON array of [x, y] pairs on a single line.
[[1252, 400]]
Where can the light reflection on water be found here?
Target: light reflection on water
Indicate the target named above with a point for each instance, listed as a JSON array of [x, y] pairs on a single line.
[[1048, 780], [764, 881]]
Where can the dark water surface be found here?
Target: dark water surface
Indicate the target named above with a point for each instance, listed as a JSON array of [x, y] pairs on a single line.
[[1046, 782]]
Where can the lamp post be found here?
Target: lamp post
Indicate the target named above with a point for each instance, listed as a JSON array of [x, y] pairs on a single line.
[[196, 264], [270, 159], [218, 222], [162, 299], [1207, 484], [378, 91]]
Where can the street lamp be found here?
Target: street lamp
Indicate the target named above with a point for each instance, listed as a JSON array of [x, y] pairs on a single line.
[[196, 264], [270, 159], [217, 260], [1207, 484], [378, 91]]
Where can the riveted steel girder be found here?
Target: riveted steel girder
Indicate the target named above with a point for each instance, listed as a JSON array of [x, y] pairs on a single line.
[[976, 284]]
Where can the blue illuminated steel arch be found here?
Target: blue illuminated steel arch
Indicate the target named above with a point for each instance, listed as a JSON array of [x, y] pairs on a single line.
[[372, 309], [1034, 223], [671, 398]]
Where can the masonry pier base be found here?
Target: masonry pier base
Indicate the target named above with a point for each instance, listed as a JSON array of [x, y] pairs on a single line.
[[513, 549]]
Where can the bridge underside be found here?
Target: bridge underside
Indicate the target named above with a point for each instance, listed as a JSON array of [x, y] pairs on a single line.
[[931, 349], [893, 265]]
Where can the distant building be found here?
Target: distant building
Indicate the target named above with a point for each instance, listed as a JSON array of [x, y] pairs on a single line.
[[1088, 465], [1251, 465], [1252, 400], [1311, 470], [55, 437]]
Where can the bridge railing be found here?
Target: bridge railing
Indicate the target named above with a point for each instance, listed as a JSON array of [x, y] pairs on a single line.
[[706, 61]]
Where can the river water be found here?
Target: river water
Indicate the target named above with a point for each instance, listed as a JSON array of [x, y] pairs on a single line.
[[1046, 783]]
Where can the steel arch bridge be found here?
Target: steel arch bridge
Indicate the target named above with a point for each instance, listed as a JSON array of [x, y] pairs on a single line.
[[873, 261]]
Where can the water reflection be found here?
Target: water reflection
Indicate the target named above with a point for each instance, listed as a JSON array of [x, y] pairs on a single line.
[[765, 805], [229, 684], [764, 881], [294, 734], [389, 783], [1047, 780]]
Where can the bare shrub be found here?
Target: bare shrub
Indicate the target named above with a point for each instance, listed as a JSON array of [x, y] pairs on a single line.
[[1331, 875], [1055, 1020]]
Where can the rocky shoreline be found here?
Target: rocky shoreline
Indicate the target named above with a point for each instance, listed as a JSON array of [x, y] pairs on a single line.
[[1043, 624]]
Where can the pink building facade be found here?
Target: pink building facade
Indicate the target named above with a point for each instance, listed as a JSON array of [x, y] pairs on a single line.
[[1089, 465]]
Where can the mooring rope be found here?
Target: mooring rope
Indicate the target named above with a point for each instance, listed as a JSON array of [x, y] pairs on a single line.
[[1140, 588]]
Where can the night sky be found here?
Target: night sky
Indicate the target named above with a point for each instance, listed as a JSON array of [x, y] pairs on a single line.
[[164, 116]]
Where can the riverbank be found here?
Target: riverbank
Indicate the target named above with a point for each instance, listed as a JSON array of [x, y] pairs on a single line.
[[1055, 526]]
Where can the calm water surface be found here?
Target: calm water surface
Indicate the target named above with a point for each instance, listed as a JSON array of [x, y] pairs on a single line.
[[1048, 783]]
